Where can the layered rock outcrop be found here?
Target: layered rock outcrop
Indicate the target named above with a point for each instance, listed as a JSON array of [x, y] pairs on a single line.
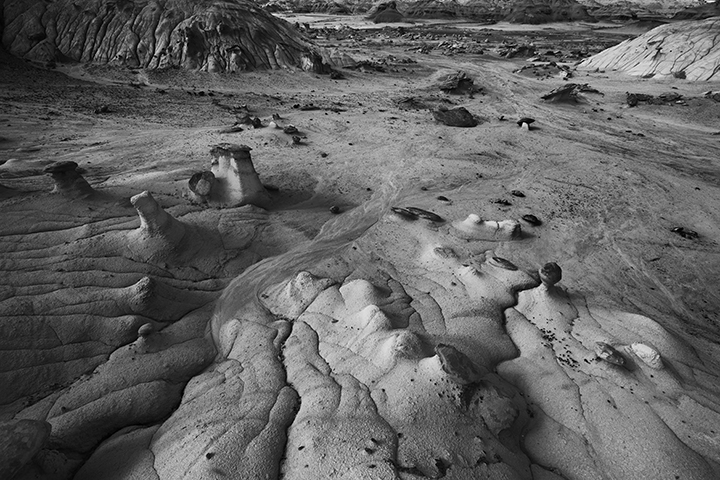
[[216, 36], [699, 12], [688, 49], [544, 11], [633, 9], [516, 11]]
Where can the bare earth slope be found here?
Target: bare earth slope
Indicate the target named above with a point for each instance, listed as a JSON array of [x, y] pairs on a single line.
[[208, 35], [688, 49]]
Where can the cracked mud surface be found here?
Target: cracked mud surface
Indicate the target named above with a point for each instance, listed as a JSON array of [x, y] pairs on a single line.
[[291, 342]]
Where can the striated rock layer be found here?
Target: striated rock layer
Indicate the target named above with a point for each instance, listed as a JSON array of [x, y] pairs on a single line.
[[688, 49], [544, 11], [209, 35]]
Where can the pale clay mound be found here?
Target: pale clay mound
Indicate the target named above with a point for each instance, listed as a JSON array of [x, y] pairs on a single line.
[[687, 49], [214, 36]]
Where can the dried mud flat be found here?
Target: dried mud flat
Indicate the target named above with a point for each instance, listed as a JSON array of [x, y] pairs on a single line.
[[378, 341]]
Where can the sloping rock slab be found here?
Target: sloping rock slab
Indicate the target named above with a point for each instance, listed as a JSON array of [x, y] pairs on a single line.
[[689, 48], [215, 36]]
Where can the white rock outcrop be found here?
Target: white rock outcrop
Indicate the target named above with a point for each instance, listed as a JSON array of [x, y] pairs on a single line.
[[688, 49]]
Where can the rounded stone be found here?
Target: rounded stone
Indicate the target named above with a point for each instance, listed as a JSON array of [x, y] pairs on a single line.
[[550, 273]]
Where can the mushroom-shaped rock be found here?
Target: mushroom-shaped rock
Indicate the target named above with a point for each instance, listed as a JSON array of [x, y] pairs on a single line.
[[20, 440], [68, 181], [525, 122], [550, 274], [648, 355], [236, 181], [608, 353], [201, 184]]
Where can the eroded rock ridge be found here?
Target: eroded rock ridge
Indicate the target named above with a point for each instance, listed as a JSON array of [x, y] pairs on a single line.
[[215, 36]]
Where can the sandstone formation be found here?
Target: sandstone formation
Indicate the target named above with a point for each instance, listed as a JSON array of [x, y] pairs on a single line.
[[215, 36], [159, 234], [105, 332], [687, 49], [68, 181], [236, 181], [422, 332]]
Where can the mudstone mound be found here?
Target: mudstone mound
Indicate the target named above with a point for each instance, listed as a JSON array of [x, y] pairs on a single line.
[[386, 13], [544, 11], [209, 35]]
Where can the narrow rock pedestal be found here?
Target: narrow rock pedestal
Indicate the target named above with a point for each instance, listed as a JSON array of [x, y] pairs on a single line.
[[68, 181], [236, 181]]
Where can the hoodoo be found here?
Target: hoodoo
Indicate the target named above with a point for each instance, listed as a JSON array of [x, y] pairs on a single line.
[[236, 181]]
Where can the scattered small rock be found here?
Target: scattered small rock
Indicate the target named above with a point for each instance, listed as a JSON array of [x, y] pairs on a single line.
[[425, 214], [102, 109], [335, 209], [606, 352], [685, 233], [532, 219], [517, 193], [502, 263], [550, 274], [404, 213], [231, 129]]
